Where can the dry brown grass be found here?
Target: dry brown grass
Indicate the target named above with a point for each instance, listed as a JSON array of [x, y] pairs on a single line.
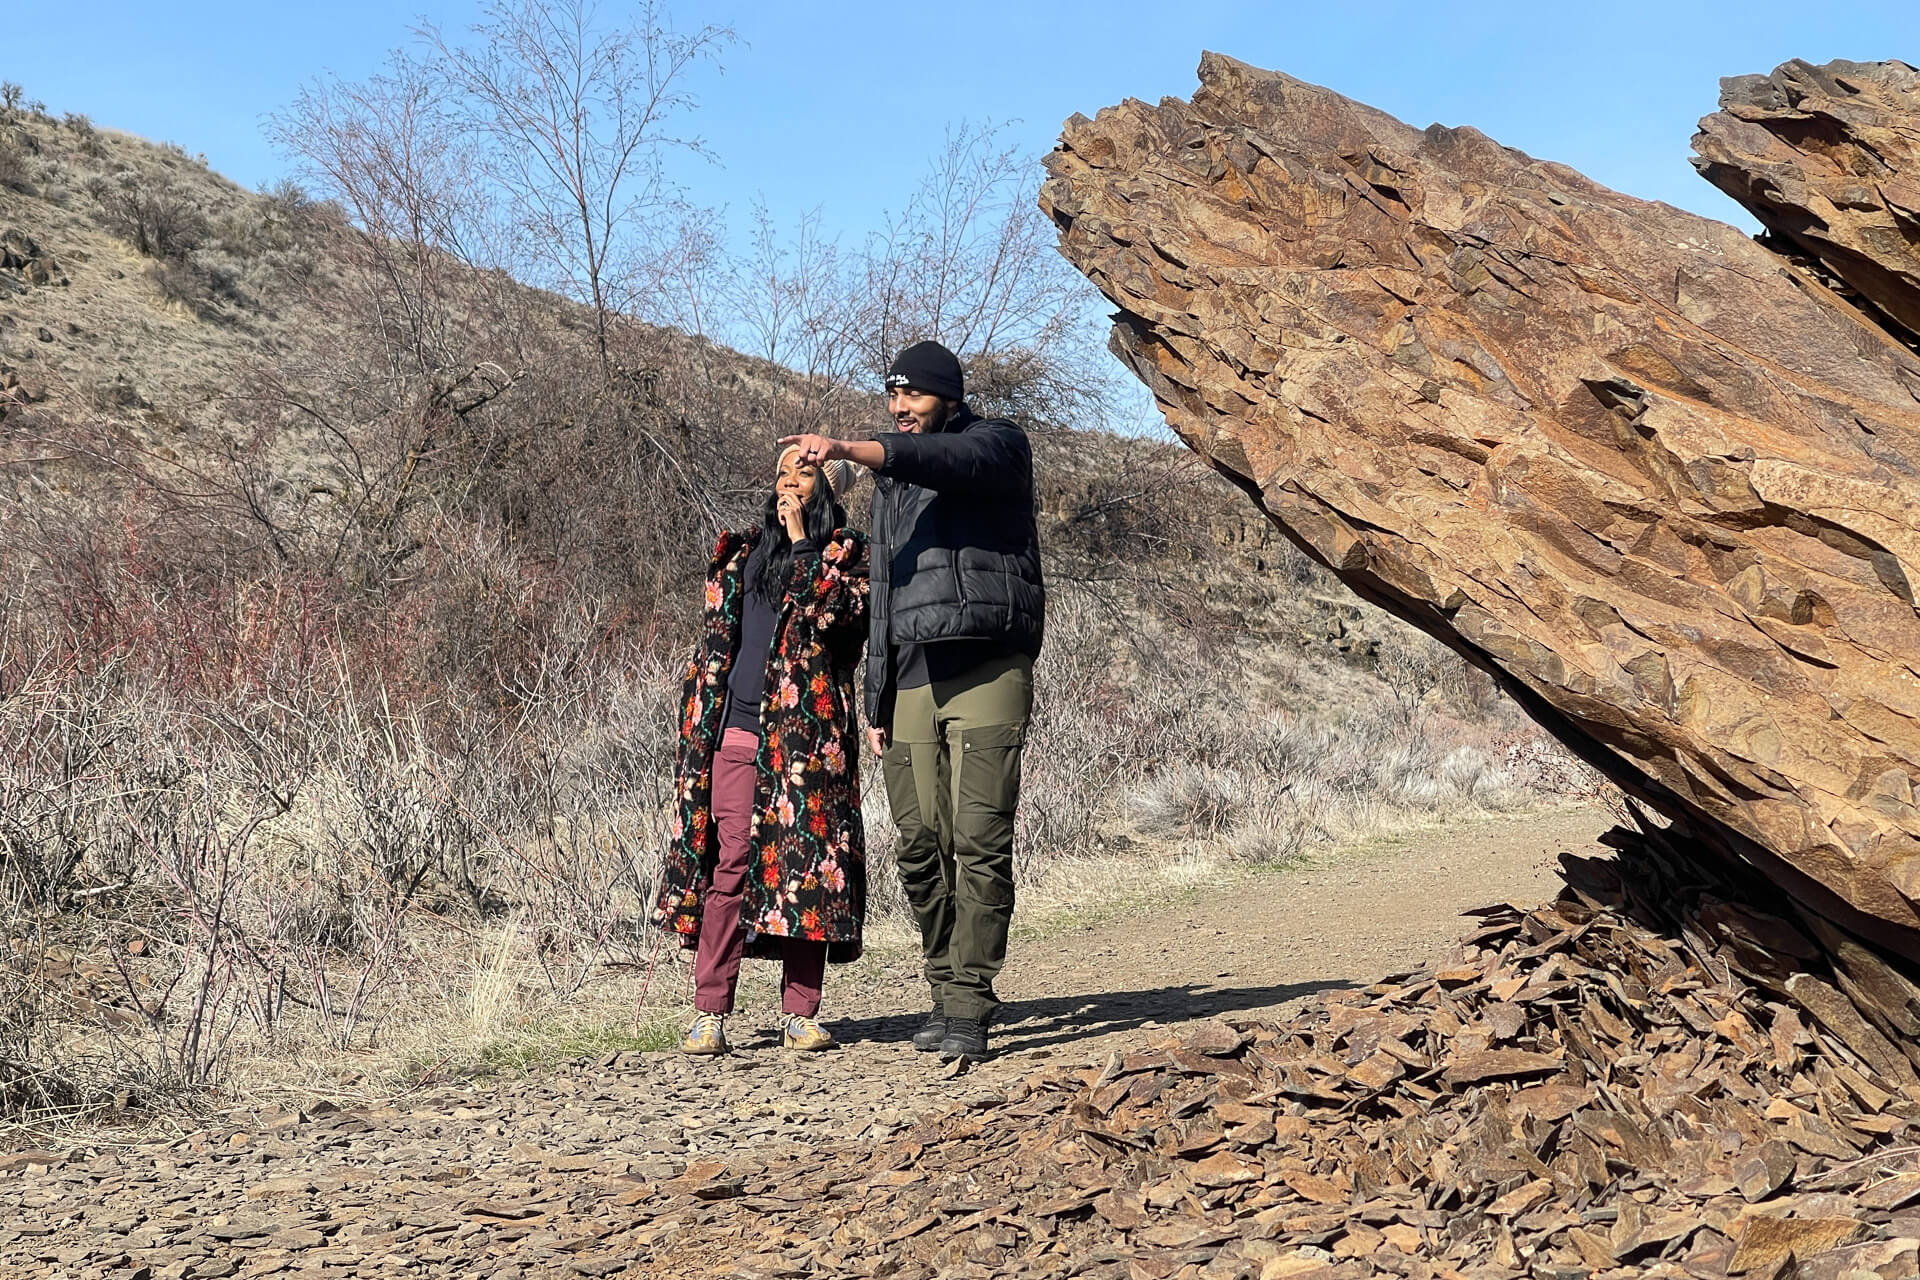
[[330, 892], [336, 693], [180, 346]]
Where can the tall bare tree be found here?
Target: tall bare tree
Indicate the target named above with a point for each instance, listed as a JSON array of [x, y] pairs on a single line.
[[792, 301], [968, 261], [578, 119], [971, 262], [389, 151]]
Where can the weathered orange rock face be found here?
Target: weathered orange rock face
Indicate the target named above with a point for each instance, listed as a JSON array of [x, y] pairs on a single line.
[[1661, 481], [1828, 158]]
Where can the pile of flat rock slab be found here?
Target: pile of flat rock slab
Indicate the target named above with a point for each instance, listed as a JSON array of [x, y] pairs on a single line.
[[1620, 1083]]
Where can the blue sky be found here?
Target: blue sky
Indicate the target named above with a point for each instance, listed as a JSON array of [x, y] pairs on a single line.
[[838, 105]]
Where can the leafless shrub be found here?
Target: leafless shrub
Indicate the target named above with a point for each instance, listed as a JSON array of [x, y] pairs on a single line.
[[158, 218], [1077, 758], [1124, 519], [1266, 779], [288, 203], [617, 794], [1412, 665], [1544, 767], [276, 851], [177, 281], [205, 861], [58, 734], [1188, 800], [886, 897], [95, 806], [38, 1082], [1152, 741], [1275, 838], [86, 137], [15, 168]]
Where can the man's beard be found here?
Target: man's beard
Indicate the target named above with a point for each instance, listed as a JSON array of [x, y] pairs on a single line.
[[941, 416]]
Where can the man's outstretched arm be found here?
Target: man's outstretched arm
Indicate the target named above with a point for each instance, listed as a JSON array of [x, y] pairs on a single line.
[[987, 460], [817, 449]]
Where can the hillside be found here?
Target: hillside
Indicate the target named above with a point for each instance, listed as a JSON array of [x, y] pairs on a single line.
[[167, 352], [95, 325], [348, 589]]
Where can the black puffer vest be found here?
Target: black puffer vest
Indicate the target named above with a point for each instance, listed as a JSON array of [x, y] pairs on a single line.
[[955, 551]]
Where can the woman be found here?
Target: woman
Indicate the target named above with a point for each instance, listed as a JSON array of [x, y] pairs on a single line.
[[768, 855]]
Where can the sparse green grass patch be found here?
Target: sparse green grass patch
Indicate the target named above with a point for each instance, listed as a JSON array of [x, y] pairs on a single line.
[[540, 1045]]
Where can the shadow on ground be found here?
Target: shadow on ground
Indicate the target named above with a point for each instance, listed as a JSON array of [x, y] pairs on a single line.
[[1056, 1020]]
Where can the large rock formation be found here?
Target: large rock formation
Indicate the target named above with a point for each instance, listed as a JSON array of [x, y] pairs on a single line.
[[1828, 158], [1662, 481]]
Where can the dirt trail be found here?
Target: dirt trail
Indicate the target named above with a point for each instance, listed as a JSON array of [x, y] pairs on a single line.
[[1252, 945], [592, 1169]]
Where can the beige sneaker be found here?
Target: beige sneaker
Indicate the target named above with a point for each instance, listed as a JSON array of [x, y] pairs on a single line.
[[707, 1036], [805, 1035]]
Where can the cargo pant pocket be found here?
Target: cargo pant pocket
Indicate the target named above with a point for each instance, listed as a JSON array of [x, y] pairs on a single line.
[[986, 792]]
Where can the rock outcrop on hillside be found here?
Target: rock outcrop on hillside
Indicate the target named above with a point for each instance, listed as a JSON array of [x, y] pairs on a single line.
[[1828, 159], [1660, 480]]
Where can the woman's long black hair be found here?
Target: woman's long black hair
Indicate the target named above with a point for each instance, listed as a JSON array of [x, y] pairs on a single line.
[[821, 515]]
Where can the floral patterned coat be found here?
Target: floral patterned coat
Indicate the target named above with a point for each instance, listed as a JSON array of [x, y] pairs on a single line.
[[809, 876]]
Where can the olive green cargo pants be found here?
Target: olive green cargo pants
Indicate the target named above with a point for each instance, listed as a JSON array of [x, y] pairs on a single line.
[[952, 768]]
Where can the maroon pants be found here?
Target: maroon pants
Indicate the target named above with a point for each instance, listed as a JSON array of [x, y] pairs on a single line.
[[716, 963]]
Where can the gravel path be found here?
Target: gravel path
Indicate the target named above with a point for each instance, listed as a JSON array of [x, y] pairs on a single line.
[[597, 1166]]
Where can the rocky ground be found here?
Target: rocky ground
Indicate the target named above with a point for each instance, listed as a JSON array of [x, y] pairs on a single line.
[[608, 1166]]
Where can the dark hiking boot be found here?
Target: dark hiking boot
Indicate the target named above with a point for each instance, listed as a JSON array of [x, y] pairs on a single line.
[[928, 1037], [966, 1038]]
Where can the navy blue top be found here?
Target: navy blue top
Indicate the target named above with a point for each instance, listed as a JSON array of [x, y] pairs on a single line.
[[747, 680]]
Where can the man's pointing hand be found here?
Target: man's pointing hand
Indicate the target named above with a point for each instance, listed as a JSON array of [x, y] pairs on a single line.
[[818, 449], [814, 448]]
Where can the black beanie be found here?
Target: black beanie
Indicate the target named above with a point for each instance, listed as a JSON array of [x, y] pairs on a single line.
[[928, 367]]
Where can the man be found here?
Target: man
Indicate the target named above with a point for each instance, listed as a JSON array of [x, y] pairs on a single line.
[[957, 612]]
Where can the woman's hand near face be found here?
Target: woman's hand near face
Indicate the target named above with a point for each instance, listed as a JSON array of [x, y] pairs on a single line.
[[788, 508]]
